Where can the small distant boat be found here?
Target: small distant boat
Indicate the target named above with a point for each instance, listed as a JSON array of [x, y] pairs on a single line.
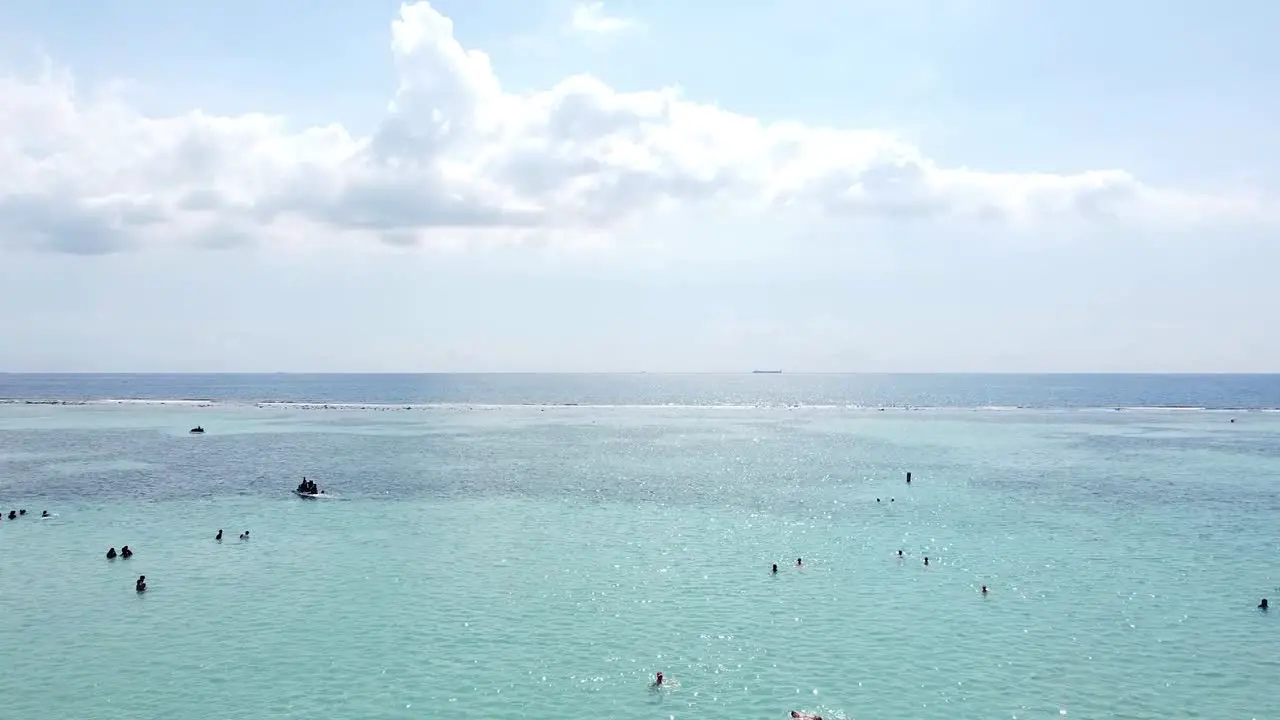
[[312, 496], [197, 430], [766, 372]]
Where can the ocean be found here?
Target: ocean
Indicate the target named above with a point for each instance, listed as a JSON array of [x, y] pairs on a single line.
[[540, 546]]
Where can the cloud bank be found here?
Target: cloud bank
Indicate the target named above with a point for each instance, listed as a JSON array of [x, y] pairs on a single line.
[[590, 17], [457, 159]]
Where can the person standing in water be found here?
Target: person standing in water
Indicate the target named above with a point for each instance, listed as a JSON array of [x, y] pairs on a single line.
[[658, 681], [775, 568], [141, 584], [218, 537]]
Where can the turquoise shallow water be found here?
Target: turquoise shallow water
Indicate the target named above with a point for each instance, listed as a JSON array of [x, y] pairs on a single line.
[[545, 562]]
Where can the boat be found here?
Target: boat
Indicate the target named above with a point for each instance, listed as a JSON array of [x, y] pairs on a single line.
[[766, 372], [312, 496], [197, 430]]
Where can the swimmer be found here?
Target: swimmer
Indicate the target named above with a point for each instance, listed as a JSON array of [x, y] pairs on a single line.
[[799, 562], [44, 514], [125, 552], [926, 561], [899, 554], [141, 585], [1263, 605], [13, 514], [22, 512], [658, 681], [244, 535], [775, 568], [111, 554], [805, 716], [984, 589], [218, 537]]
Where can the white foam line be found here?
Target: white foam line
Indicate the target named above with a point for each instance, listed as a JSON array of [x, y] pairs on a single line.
[[314, 405]]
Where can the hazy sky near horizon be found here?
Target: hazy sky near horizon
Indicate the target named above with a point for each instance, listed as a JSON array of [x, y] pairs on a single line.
[[548, 185]]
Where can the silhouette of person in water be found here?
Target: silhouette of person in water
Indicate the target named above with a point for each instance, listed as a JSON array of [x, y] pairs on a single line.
[[658, 681], [1263, 605], [111, 554], [775, 568], [218, 537], [125, 552], [799, 562], [141, 585]]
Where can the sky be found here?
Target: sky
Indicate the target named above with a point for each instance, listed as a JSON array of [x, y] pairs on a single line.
[[618, 186]]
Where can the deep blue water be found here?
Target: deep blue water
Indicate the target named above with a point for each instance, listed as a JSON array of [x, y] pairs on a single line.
[[957, 391]]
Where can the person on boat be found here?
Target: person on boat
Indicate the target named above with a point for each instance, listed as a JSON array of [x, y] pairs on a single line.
[[141, 584], [125, 552], [218, 537], [111, 554]]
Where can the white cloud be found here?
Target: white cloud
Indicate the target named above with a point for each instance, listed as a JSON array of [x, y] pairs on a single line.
[[457, 159], [590, 17]]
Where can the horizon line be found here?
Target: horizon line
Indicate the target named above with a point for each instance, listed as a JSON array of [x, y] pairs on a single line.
[[667, 373]]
